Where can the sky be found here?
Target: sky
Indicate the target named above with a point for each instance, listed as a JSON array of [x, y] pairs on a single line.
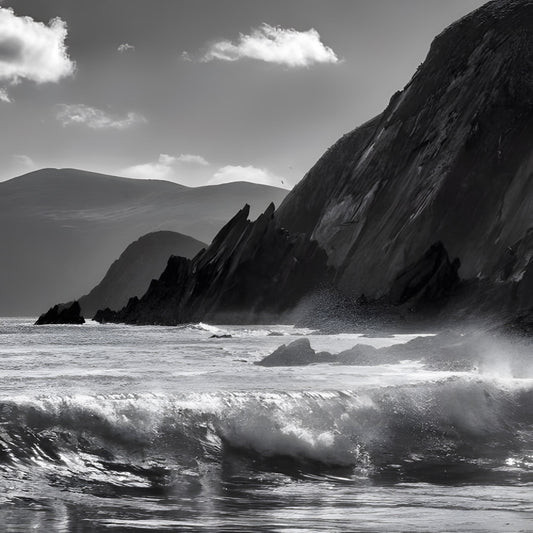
[[201, 91]]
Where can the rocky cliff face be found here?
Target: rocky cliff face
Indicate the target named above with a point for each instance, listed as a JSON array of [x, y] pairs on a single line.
[[252, 271], [450, 160], [447, 168], [131, 274]]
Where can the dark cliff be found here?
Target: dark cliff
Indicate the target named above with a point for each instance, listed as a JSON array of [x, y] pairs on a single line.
[[450, 160], [142, 261], [444, 172]]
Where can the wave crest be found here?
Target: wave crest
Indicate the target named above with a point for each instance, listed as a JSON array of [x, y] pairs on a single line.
[[467, 419]]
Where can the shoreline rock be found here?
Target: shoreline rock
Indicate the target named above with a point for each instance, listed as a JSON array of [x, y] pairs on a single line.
[[69, 313], [445, 351], [297, 353]]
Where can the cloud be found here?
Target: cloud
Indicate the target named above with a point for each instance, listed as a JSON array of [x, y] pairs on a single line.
[[4, 97], [167, 160], [192, 159], [272, 44], [231, 173], [32, 50], [164, 167], [124, 47], [96, 119], [158, 170]]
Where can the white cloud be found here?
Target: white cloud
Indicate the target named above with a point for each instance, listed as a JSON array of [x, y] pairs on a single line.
[[164, 168], [96, 118], [167, 160], [192, 159], [32, 50], [231, 173], [274, 45], [124, 47], [158, 170], [4, 97]]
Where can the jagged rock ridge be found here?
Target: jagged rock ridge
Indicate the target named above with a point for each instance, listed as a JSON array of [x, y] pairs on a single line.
[[142, 261], [252, 271]]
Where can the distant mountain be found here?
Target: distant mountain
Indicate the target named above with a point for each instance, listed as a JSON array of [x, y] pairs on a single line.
[[431, 202], [140, 263], [60, 229]]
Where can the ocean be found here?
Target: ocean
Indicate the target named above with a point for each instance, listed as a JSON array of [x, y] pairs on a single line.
[[124, 428]]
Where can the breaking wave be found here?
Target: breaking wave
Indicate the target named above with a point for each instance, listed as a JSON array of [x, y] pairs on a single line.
[[154, 440], [240, 332]]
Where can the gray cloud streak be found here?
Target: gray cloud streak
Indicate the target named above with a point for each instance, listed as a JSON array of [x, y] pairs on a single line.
[[70, 114]]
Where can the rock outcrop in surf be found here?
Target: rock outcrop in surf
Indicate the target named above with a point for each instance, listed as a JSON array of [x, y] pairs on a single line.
[[448, 351], [62, 314], [297, 353], [446, 348]]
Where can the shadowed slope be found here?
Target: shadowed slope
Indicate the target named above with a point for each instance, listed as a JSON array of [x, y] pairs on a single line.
[[138, 264]]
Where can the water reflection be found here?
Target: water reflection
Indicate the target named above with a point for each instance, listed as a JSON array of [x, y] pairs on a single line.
[[283, 504]]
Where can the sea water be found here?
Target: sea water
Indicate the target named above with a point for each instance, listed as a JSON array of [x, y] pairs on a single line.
[[124, 428]]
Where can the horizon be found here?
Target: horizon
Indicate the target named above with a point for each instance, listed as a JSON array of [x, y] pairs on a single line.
[[112, 176], [240, 91]]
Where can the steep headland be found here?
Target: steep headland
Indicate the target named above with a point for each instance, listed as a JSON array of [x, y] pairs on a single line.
[[427, 208], [449, 160]]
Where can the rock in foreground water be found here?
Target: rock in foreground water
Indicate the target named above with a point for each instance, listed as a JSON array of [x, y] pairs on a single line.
[[297, 353]]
